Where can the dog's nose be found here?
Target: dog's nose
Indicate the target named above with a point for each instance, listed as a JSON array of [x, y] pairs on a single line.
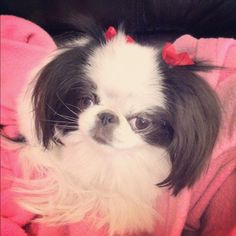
[[107, 118], [104, 127]]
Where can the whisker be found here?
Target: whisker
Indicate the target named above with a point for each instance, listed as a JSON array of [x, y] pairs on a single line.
[[74, 107], [66, 126], [63, 116], [60, 121], [65, 105]]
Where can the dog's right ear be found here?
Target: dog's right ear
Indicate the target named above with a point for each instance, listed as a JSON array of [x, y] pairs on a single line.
[[57, 89]]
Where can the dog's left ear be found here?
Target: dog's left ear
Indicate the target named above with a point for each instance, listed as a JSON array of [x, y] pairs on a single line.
[[195, 118]]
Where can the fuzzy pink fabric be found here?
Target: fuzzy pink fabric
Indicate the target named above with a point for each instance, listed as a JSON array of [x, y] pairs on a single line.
[[207, 209], [23, 46]]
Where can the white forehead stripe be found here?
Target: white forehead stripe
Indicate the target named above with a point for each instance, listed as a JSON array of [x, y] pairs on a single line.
[[127, 72]]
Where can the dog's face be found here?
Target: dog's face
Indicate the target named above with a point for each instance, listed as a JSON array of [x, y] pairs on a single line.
[[115, 97], [123, 120], [122, 105]]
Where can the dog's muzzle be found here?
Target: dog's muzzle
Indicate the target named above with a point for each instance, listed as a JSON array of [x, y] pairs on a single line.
[[105, 124]]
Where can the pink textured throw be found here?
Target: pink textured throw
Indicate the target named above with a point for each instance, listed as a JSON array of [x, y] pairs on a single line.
[[207, 209]]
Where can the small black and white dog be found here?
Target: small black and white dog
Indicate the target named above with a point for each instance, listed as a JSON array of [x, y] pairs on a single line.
[[109, 126]]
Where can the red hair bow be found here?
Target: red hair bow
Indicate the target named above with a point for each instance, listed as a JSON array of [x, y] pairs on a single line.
[[111, 33], [171, 57]]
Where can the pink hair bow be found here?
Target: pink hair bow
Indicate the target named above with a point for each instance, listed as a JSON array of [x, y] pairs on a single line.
[[111, 33], [171, 57]]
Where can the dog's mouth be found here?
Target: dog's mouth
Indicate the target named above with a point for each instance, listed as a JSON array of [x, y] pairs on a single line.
[[101, 140], [102, 135]]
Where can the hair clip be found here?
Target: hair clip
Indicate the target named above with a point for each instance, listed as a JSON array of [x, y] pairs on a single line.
[[171, 57], [111, 33]]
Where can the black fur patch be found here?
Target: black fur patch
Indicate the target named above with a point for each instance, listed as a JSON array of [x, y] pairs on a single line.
[[160, 131], [60, 86], [195, 119]]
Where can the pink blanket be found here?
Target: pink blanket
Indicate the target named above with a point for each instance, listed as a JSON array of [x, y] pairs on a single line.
[[23, 46], [207, 209]]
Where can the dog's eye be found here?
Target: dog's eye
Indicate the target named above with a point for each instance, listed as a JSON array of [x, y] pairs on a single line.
[[85, 102], [139, 123]]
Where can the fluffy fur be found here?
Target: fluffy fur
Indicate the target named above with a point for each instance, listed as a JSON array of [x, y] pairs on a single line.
[[110, 125]]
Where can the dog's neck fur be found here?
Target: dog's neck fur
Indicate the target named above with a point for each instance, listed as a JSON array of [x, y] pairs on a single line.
[[109, 189]]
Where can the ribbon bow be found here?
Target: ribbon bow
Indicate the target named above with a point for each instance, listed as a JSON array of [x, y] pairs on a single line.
[[111, 33], [171, 57]]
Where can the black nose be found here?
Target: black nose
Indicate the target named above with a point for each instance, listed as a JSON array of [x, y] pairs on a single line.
[[107, 118]]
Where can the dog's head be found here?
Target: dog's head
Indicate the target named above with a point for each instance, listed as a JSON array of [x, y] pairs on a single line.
[[122, 96]]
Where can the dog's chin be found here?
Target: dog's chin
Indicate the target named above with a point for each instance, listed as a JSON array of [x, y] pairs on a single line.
[[109, 180]]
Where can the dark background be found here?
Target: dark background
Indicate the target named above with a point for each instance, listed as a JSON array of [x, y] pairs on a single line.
[[159, 19]]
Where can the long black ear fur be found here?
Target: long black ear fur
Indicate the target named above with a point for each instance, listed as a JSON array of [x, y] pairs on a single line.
[[195, 113], [59, 86]]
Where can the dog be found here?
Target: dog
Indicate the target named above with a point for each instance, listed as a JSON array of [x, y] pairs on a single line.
[[110, 124]]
